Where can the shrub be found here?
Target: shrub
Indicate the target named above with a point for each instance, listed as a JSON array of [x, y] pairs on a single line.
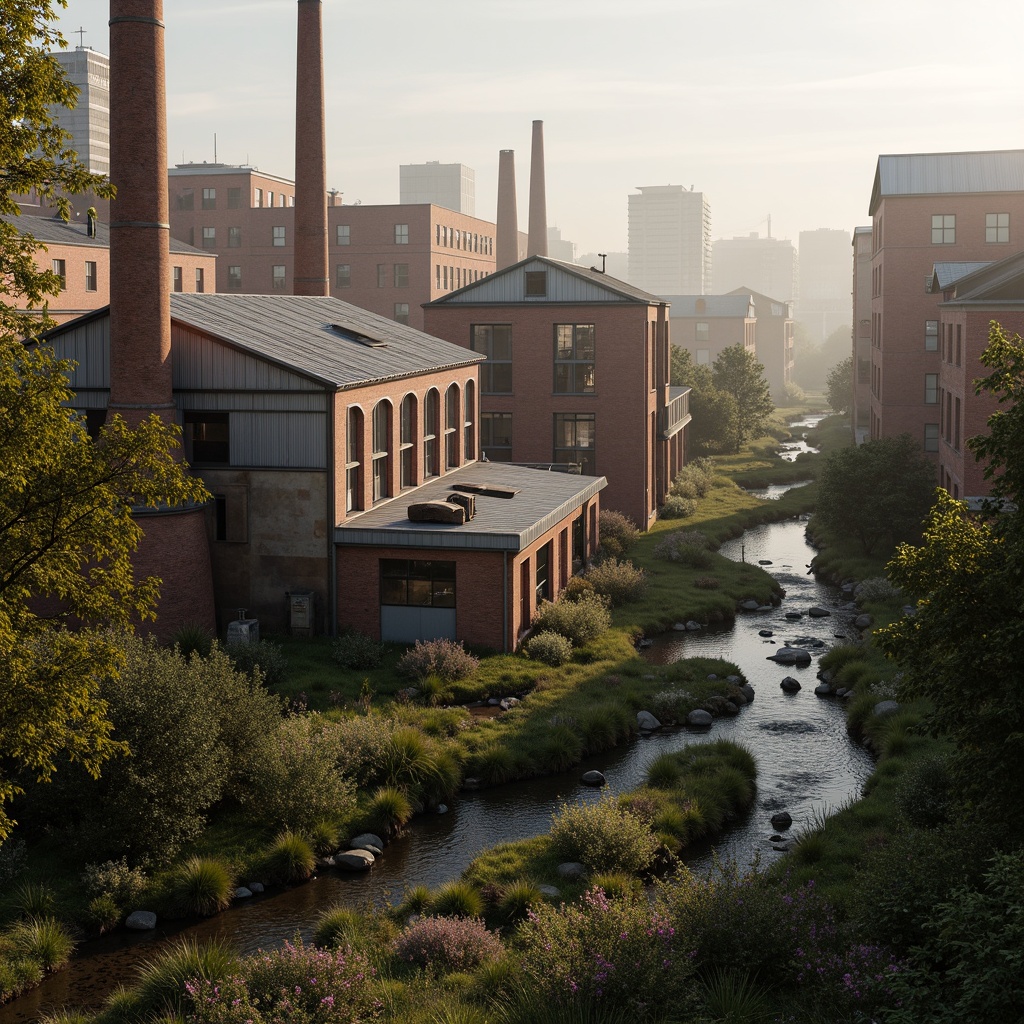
[[677, 507], [338, 926], [618, 533], [686, 547], [877, 590], [42, 940], [559, 749], [603, 836], [694, 480], [160, 989], [192, 638], [13, 859], [441, 657], [291, 859], [576, 588], [365, 739], [357, 650], [34, 899], [114, 878], [457, 899], [446, 944], [671, 706], [389, 810], [198, 888], [580, 621], [516, 900], [249, 656], [550, 647], [103, 913], [323, 837], [414, 761], [707, 583], [620, 582]]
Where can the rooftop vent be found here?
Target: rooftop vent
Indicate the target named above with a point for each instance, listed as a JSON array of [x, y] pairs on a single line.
[[351, 335], [487, 490]]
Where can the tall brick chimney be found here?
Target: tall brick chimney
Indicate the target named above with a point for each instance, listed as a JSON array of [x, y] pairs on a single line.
[[310, 268], [538, 240], [174, 545], [507, 226]]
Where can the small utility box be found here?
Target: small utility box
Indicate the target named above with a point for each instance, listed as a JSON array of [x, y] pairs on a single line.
[[301, 612], [244, 630]]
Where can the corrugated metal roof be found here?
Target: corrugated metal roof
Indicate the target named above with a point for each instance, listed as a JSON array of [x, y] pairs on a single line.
[[946, 273], [57, 231], [921, 174], [506, 285], [542, 499], [298, 332], [714, 305], [1002, 281]]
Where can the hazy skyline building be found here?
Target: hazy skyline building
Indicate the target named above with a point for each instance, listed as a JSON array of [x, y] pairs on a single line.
[[767, 265], [670, 240], [824, 276], [452, 186], [89, 123]]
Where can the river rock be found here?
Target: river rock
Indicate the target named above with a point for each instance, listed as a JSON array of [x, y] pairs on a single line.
[[141, 921], [242, 893], [472, 783], [750, 605], [817, 612], [781, 821], [493, 701], [790, 685], [366, 839], [646, 721], [255, 887], [550, 890], [324, 862], [764, 561], [886, 707], [680, 627], [863, 621], [734, 679], [441, 808], [712, 677], [700, 718], [794, 615], [790, 656], [355, 860], [748, 692], [571, 869], [823, 690], [508, 702], [593, 778], [765, 632], [692, 625]]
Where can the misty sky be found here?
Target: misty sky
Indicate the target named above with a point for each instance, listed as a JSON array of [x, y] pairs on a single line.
[[770, 108]]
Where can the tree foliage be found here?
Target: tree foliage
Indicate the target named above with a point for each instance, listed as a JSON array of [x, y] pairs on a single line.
[[839, 386], [738, 373], [878, 491], [715, 423]]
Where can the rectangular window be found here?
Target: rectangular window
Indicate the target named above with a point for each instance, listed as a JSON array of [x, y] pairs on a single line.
[[343, 275], [279, 276], [943, 229], [431, 428], [187, 199], [200, 280], [931, 437], [209, 199], [703, 356], [931, 388], [382, 275], [422, 584], [401, 234], [381, 457], [208, 437], [270, 199], [703, 332], [279, 238], [209, 238], [176, 278], [258, 198], [536, 282], [353, 460], [234, 238], [997, 227], [402, 312], [344, 234], [574, 359], [496, 436], [575, 440], [234, 198], [542, 574], [90, 275], [495, 342], [958, 351], [234, 279], [60, 268], [931, 335], [401, 275], [578, 543]]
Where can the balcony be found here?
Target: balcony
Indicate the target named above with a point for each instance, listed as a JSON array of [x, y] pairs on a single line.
[[676, 413]]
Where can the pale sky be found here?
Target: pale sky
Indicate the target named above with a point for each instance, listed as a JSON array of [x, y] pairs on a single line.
[[768, 108]]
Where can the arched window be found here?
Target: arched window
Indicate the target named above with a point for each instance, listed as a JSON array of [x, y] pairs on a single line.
[[469, 423], [382, 450], [431, 431], [354, 459], [452, 423], [407, 441]]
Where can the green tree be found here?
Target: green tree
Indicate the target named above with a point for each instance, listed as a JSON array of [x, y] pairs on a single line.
[[715, 423], [878, 491], [839, 385], [738, 373]]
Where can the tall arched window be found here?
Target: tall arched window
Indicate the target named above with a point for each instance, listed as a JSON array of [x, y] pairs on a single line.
[[452, 423], [431, 432], [382, 450], [469, 423], [407, 441], [354, 459]]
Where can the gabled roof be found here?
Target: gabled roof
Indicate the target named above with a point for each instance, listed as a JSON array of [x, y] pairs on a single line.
[[55, 231], [324, 338], [736, 304], [506, 286], [765, 305], [944, 275], [991, 283], [921, 174]]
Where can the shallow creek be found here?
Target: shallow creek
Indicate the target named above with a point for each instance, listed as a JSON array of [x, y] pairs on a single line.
[[806, 765]]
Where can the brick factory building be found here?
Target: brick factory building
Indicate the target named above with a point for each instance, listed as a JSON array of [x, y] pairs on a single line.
[[706, 324]]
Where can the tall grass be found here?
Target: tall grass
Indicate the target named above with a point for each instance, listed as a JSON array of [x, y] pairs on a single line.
[[290, 860], [198, 888]]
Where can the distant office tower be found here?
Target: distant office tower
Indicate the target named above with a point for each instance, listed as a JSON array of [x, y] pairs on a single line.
[[89, 123], [766, 265], [670, 240], [825, 266], [560, 248], [452, 186]]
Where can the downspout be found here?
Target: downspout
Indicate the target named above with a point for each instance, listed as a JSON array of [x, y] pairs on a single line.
[[504, 601]]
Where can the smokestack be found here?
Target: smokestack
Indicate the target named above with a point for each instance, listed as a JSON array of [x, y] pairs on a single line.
[[538, 239], [507, 227], [310, 274], [174, 546]]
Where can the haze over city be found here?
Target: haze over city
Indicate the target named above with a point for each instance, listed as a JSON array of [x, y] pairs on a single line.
[[776, 110]]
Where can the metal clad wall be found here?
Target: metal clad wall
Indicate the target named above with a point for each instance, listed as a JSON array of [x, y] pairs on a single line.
[[274, 440], [89, 346], [252, 401], [511, 287]]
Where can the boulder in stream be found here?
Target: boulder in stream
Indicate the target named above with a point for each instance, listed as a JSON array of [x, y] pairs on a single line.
[[790, 685], [781, 820], [355, 860], [699, 718], [646, 721], [593, 778], [141, 921], [361, 842]]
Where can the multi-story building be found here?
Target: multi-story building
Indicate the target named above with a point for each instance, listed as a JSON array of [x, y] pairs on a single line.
[[706, 324], [928, 208], [767, 265], [452, 186], [773, 339], [824, 282], [577, 374], [89, 123], [387, 259], [670, 240], [860, 414]]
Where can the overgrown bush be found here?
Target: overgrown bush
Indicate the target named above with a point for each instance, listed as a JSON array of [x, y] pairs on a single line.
[[198, 888], [445, 944], [248, 656], [707, 583], [357, 650], [445, 658], [457, 899], [617, 532], [677, 507], [416, 763], [365, 740], [620, 582], [694, 480], [114, 878], [575, 589], [160, 990], [580, 621], [192, 638], [13, 859], [687, 547], [42, 940], [877, 590], [550, 647], [290, 860], [603, 836]]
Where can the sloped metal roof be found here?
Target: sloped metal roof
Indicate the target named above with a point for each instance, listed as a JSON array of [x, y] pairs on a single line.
[[921, 174], [991, 283], [329, 340], [542, 499], [59, 232], [945, 274], [714, 305]]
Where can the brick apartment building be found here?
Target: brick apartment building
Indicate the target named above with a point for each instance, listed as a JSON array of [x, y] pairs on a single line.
[[387, 259], [773, 338], [928, 208], [706, 324], [860, 414], [577, 373]]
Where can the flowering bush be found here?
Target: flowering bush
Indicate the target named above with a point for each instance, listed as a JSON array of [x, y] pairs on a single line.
[[447, 943], [115, 879], [620, 582], [603, 835], [441, 657], [550, 647], [580, 621], [294, 984]]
